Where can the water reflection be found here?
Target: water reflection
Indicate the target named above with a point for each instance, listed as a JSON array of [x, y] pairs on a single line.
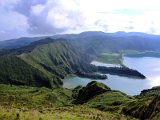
[[149, 66], [154, 81]]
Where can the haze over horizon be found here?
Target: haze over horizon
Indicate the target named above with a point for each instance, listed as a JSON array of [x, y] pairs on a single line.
[[48, 17]]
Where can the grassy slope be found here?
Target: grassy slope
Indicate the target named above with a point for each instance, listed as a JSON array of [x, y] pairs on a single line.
[[22, 102], [43, 61], [147, 105], [51, 55], [143, 106], [15, 71], [56, 59], [32, 103], [111, 58], [51, 59], [110, 101], [134, 53]]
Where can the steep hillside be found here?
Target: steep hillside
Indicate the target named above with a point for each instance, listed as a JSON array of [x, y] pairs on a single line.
[[32, 103], [55, 59], [92, 102], [13, 70], [147, 105], [52, 59]]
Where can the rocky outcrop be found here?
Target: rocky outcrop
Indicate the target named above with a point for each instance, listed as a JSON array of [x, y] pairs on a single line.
[[92, 89], [144, 112]]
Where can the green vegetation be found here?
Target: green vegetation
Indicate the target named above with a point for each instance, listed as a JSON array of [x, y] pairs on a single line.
[[147, 105], [55, 59], [15, 71], [150, 92], [99, 96], [95, 101], [134, 53], [47, 61], [111, 58], [50, 58], [121, 71], [44, 63], [143, 106], [92, 89], [110, 101], [32, 103], [33, 97]]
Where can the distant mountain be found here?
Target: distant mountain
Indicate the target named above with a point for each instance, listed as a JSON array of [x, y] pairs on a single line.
[[17, 43], [123, 37], [46, 61]]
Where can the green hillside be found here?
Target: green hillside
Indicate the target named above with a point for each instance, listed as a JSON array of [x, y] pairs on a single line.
[[31, 78], [95, 101], [55, 59], [42, 63], [13, 70], [32, 103]]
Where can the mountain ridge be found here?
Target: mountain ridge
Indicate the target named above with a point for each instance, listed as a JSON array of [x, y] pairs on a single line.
[[56, 58], [21, 42]]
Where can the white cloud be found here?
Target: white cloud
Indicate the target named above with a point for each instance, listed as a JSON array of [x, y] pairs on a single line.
[[37, 9], [124, 15], [66, 16], [13, 24]]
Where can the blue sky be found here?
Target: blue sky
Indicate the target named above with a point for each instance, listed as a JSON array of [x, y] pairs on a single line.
[[20, 18]]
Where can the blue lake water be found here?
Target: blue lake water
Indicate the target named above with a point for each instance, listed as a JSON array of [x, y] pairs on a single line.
[[149, 66]]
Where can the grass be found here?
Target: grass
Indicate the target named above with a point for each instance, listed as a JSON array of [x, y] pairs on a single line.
[[48, 114], [117, 58], [110, 101], [52, 55], [64, 113], [111, 58], [134, 53], [32, 103], [33, 97]]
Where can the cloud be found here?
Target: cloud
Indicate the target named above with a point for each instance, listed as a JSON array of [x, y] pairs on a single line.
[[12, 23], [48, 17], [51, 16], [37, 9]]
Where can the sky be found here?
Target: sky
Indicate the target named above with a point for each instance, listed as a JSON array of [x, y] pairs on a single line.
[[19, 18]]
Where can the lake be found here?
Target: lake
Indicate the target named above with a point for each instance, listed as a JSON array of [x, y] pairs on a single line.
[[149, 66]]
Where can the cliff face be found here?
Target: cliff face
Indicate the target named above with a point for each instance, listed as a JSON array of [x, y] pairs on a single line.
[[147, 106]]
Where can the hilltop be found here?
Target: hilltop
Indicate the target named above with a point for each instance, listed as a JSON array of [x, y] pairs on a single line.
[[80, 103]]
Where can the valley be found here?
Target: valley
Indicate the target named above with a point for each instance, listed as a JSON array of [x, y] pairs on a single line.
[[91, 75]]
